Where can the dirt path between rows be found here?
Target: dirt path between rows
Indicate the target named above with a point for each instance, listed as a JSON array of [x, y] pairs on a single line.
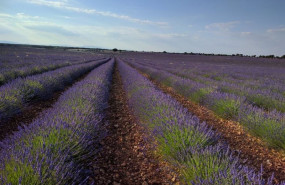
[[253, 151], [32, 111], [126, 157]]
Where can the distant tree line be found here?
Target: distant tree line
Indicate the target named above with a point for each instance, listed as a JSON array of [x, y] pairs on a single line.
[[118, 50], [238, 54], [271, 56]]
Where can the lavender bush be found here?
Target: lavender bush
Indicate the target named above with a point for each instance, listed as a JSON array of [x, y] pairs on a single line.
[[182, 139], [58, 147], [262, 83], [268, 125], [18, 93], [22, 62]]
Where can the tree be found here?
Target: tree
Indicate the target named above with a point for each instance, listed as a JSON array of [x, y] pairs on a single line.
[[115, 49], [270, 56]]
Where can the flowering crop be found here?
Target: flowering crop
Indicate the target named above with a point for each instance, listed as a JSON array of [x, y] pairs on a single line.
[[16, 94], [181, 138], [262, 84], [268, 125], [21, 62], [58, 147]]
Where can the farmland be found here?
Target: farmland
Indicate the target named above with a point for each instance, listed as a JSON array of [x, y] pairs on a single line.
[[96, 117]]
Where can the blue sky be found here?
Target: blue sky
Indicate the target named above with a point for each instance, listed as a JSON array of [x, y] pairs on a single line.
[[220, 26]]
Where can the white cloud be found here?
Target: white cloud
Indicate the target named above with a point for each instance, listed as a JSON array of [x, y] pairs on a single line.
[[276, 30], [24, 16], [30, 29], [64, 5], [18, 17], [245, 33], [22, 28], [66, 17], [170, 35], [222, 26], [3, 15], [56, 4]]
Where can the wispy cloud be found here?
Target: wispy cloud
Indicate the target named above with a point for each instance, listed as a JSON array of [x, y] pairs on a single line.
[[64, 5], [171, 35], [23, 28], [3, 15], [21, 21], [51, 29], [222, 26], [246, 33], [24, 16], [276, 30], [56, 4]]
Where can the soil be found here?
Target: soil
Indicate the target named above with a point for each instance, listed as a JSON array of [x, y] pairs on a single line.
[[126, 157], [252, 151], [32, 111]]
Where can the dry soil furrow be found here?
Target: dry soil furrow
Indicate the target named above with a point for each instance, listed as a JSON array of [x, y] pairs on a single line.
[[126, 157]]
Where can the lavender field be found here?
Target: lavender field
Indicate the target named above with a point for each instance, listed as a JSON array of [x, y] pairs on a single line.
[[110, 117], [248, 90]]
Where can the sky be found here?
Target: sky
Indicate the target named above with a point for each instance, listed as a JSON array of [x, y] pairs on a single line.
[[250, 27]]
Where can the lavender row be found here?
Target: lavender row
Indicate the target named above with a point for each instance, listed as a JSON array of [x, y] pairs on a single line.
[[15, 95], [262, 89], [60, 145], [270, 126], [7, 75], [21, 62], [181, 139], [267, 99], [218, 68], [264, 93], [18, 57]]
